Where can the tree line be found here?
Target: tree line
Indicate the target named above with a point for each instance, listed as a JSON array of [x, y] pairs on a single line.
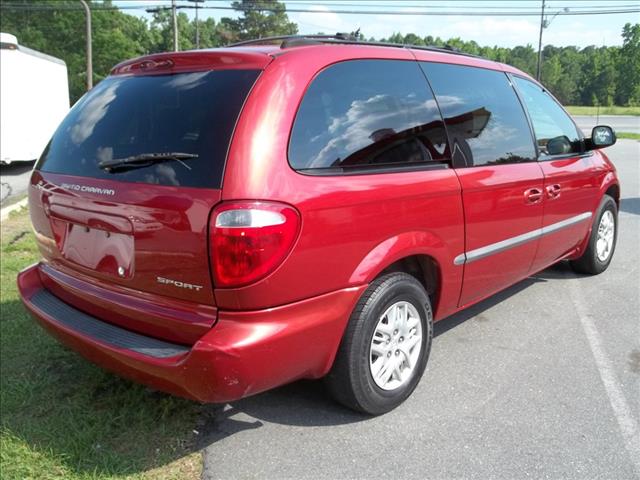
[[576, 76]]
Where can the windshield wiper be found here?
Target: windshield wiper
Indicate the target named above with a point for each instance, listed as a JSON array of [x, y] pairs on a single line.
[[143, 160]]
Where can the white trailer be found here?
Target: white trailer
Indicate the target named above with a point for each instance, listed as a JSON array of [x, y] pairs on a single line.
[[34, 98]]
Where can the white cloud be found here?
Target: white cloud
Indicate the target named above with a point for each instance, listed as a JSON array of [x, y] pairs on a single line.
[[486, 31], [94, 110], [568, 32], [490, 31], [187, 81], [324, 21], [502, 31]]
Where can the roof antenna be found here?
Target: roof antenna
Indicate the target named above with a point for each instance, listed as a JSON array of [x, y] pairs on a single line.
[[356, 34]]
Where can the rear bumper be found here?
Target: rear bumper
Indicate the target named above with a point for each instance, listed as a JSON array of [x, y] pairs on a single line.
[[243, 354]]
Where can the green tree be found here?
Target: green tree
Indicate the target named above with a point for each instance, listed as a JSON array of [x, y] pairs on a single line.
[[552, 76], [413, 39], [456, 43], [211, 33], [161, 32], [395, 38], [628, 92], [572, 73], [116, 37], [524, 58], [599, 83], [259, 19], [59, 30]]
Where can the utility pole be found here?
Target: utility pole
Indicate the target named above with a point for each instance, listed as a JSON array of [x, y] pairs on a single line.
[[87, 12], [197, 29], [175, 25], [197, 2], [542, 25], [174, 20]]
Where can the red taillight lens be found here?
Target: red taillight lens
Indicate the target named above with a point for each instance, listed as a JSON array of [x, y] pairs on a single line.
[[249, 240]]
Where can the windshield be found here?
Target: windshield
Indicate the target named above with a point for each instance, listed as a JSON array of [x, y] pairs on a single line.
[[193, 113]]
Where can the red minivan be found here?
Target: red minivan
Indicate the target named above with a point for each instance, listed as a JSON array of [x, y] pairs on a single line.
[[217, 223]]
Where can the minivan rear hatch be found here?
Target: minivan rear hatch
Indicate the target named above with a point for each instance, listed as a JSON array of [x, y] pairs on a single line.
[[121, 196]]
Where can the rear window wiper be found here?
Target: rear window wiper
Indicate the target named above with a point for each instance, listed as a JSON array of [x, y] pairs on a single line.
[[143, 160]]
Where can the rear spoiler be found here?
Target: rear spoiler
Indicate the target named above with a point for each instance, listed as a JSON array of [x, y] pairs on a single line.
[[194, 61]]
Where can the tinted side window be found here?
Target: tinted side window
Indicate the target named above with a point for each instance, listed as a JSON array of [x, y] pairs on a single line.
[[484, 118], [367, 113], [556, 133]]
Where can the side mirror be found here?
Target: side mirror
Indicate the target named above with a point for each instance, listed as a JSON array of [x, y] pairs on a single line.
[[558, 145], [601, 136]]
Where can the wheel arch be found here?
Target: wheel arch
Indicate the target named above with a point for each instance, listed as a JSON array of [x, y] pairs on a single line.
[[613, 190], [420, 254], [423, 268], [610, 186]]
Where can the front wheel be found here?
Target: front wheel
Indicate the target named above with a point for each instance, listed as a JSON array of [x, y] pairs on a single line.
[[602, 241], [385, 347]]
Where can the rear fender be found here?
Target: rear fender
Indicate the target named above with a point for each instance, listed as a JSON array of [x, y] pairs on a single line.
[[415, 243]]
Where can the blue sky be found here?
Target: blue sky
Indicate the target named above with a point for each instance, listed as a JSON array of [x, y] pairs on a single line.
[[507, 31]]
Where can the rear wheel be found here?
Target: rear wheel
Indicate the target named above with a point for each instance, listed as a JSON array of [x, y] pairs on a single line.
[[602, 241], [386, 345]]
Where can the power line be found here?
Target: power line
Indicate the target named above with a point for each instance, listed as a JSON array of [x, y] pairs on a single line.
[[267, 8], [443, 1], [395, 5], [533, 3], [436, 13], [97, 8], [465, 7]]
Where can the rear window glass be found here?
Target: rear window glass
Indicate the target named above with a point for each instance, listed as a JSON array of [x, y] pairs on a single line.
[[122, 117], [368, 113]]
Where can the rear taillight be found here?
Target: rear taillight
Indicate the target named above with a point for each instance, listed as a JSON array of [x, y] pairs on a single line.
[[249, 240]]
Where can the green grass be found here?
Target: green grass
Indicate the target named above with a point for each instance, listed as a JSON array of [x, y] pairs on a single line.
[[612, 110], [630, 136], [63, 418]]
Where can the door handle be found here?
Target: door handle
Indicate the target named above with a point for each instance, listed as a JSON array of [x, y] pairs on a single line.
[[553, 191], [533, 195]]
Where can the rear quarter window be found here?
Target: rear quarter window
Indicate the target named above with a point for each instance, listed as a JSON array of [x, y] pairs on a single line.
[[125, 116], [367, 114]]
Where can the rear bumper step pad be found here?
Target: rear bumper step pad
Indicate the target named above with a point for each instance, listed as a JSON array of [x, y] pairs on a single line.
[[101, 331]]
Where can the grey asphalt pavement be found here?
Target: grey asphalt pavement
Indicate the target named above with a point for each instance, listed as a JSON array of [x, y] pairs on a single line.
[[620, 123], [14, 179], [539, 381]]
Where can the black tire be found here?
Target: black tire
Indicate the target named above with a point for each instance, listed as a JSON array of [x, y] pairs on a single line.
[[350, 380], [589, 262]]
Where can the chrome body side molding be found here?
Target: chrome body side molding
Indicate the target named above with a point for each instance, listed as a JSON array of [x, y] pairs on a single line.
[[503, 245]]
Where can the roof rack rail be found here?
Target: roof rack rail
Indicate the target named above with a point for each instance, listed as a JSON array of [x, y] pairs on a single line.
[[431, 48], [288, 41], [285, 38]]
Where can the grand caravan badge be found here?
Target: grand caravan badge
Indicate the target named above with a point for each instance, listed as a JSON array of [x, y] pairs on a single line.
[[88, 189]]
